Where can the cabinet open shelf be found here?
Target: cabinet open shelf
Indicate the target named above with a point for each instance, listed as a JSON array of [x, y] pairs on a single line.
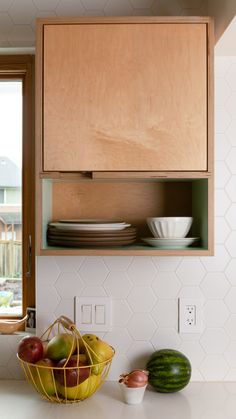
[[132, 200]]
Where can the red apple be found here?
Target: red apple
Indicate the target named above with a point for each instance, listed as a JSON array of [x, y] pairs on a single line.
[[30, 349], [72, 375]]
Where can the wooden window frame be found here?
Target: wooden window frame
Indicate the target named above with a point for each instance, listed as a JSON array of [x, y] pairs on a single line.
[[22, 67]]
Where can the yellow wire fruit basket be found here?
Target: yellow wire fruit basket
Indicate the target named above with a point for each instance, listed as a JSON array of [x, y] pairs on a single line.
[[74, 378]]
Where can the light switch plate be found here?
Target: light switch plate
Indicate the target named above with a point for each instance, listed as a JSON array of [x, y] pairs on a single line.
[[93, 314]]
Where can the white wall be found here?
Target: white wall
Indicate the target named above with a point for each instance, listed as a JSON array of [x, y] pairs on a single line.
[[223, 12]]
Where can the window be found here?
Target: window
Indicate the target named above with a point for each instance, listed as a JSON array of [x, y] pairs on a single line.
[[17, 289]]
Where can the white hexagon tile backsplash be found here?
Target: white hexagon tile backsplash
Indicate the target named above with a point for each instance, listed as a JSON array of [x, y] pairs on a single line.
[[145, 290]]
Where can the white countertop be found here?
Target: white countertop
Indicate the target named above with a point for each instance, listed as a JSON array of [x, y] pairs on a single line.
[[197, 401]]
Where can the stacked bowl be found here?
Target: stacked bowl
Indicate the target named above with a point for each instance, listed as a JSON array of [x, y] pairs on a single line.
[[170, 232]]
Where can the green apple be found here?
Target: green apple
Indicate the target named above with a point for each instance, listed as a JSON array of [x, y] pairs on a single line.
[[42, 376], [101, 351], [82, 391], [61, 346]]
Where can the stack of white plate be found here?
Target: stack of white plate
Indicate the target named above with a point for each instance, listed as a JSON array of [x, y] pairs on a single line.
[[90, 232]]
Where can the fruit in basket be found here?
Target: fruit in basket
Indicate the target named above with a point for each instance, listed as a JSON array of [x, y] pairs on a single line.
[[81, 391], [30, 349], [100, 352], [42, 376], [72, 372], [61, 346], [169, 370]]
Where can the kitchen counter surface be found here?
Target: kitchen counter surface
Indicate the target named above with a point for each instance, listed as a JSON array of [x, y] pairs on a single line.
[[197, 401]]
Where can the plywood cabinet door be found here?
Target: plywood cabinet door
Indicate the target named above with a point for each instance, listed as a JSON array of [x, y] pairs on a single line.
[[125, 97]]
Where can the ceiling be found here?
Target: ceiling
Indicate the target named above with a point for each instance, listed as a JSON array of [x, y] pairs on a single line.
[[17, 17]]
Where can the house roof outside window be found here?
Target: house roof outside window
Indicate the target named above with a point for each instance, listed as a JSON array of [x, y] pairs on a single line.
[[10, 174]]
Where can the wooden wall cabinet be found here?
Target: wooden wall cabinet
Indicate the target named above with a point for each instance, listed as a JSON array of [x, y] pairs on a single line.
[[124, 123]]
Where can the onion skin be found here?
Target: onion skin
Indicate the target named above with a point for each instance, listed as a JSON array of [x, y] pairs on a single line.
[[135, 379]]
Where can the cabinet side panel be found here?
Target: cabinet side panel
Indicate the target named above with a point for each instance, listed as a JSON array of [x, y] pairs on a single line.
[[125, 97]]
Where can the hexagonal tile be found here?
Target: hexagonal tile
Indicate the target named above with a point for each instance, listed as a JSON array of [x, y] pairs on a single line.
[[191, 292], [214, 368], [141, 299], [22, 13], [231, 159], [222, 92], [222, 202], [231, 188], [165, 338], [119, 338], [141, 326], [5, 5], [46, 5], [215, 285], [230, 326], [117, 284], [190, 271], [231, 216], [222, 174], [231, 133], [142, 271], [190, 4], [222, 120], [218, 262], [94, 4], [47, 270], [165, 313], [93, 292], [230, 244], [222, 230], [141, 4], [69, 285], [230, 355], [166, 8], [118, 8], [6, 25], [230, 105], [5, 352], [215, 313], [214, 341], [117, 263], [70, 8], [166, 285], [165, 263], [44, 318], [119, 365], [230, 300], [222, 145], [66, 307], [42, 14], [230, 272], [230, 76], [121, 313], [47, 298], [93, 271], [142, 12], [139, 353], [94, 12], [193, 351], [69, 263], [21, 35], [5, 374]]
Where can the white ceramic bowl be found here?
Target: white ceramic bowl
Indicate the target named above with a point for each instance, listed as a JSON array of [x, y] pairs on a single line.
[[169, 227]]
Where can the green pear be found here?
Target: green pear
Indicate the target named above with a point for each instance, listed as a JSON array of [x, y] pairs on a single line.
[[61, 346]]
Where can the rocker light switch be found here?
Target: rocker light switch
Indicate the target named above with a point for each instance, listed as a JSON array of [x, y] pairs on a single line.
[[93, 314], [100, 314], [86, 314]]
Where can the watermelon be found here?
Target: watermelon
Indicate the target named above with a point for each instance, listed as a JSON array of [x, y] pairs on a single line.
[[169, 370]]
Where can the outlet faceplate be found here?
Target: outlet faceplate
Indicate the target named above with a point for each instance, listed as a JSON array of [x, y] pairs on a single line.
[[190, 315]]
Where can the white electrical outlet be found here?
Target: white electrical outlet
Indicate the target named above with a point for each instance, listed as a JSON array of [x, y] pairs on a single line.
[[190, 315], [93, 314]]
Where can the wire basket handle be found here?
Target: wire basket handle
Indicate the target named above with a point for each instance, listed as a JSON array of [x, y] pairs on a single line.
[[66, 322]]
